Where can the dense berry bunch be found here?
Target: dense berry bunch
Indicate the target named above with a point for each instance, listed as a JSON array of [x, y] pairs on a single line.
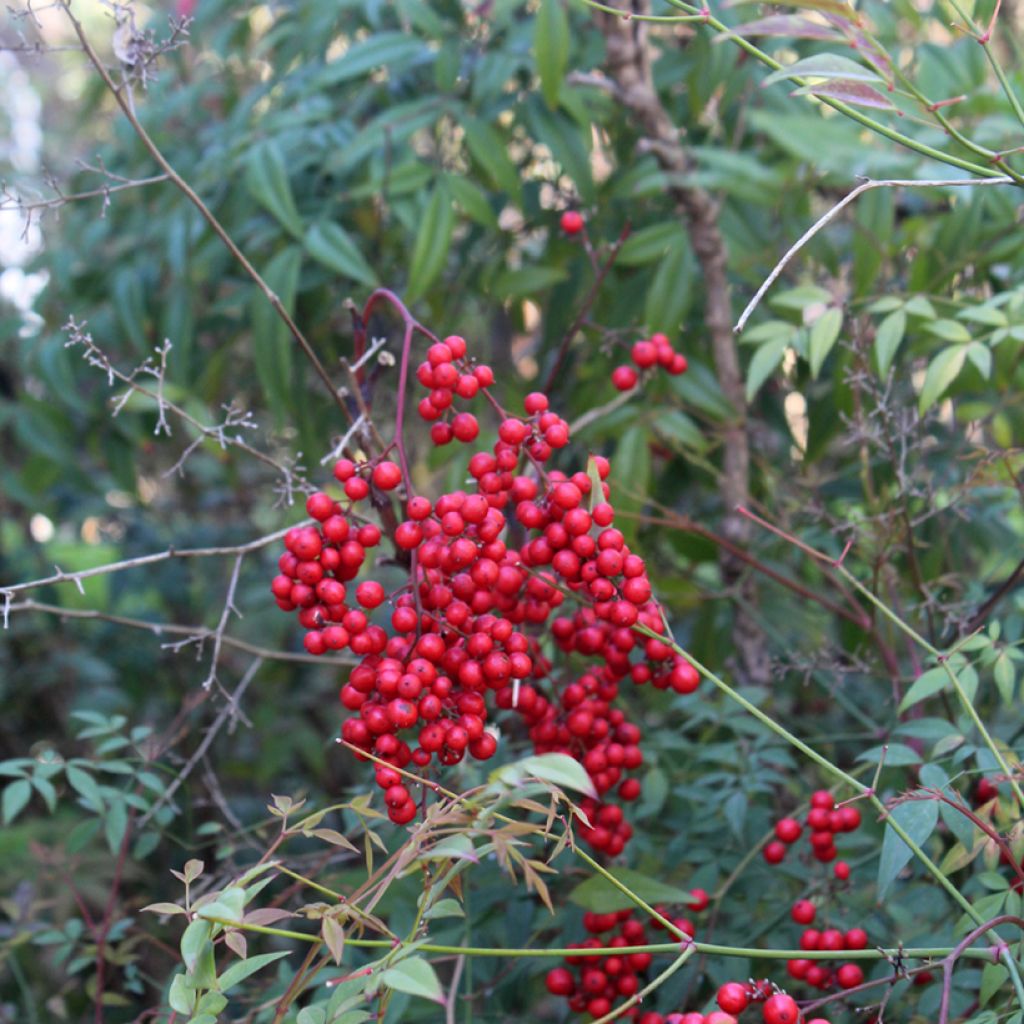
[[594, 984], [824, 822], [649, 354], [465, 629]]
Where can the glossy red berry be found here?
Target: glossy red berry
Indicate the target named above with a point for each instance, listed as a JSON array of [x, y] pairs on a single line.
[[780, 1009], [571, 222], [849, 976], [732, 997], [624, 378]]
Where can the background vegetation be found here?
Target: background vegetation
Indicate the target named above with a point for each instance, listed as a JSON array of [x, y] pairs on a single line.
[[430, 147]]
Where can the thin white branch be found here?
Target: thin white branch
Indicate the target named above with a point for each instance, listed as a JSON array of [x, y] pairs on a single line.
[[841, 205], [225, 615]]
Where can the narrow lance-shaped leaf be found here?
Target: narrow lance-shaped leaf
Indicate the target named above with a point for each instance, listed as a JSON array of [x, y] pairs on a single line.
[[825, 65], [266, 178], [942, 371], [433, 240], [551, 48], [824, 334], [857, 94], [887, 339]]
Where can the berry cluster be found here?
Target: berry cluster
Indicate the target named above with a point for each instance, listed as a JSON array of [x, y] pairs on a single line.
[[776, 1007], [598, 982], [825, 821], [649, 354], [466, 628]]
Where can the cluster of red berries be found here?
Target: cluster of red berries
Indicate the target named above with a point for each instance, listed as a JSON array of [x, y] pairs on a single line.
[[824, 822], [599, 982], [467, 625], [776, 1007], [649, 353]]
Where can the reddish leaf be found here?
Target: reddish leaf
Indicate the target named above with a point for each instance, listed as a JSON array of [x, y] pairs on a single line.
[[855, 93], [791, 26]]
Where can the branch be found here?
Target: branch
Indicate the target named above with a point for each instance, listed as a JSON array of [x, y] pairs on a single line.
[[122, 96], [842, 204]]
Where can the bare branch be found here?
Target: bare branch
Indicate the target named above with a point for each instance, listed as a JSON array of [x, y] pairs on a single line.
[[839, 207]]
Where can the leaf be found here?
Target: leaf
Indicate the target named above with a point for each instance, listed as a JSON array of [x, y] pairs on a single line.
[[164, 908], [896, 754], [271, 340], [551, 48], [193, 869], [85, 785], [857, 94], [193, 940], [511, 284], [392, 49], [181, 996], [331, 245], [887, 339], [993, 979], [472, 200], [601, 896], [488, 148], [15, 797], [115, 824], [647, 244], [942, 371], [676, 427], [824, 335], [763, 364], [445, 908], [926, 685], [669, 293], [416, 977], [791, 26], [228, 905], [266, 178], [333, 936], [825, 65], [918, 819], [1005, 676], [981, 356], [330, 835], [430, 250], [243, 969], [560, 770], [948, 330], [312, 1015]]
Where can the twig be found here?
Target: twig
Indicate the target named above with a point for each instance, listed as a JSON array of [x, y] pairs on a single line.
[[838, 208], [194, 634], [122, 96], [225, 713], [225, 615]]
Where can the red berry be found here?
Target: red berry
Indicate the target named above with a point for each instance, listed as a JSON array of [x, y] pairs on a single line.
[[370, 594], [780, 1009], [856, 938], [560, 982], [644, 354], [803, 912], [788, 830], [774, 852], [732, 997], [849, 975], [571, 222], [624, 378], [841, 870], [387, 476], [699, 900], [320, 506]]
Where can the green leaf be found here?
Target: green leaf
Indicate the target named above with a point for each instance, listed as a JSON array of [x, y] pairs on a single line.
[[395, 50], [266, 178], [242, 969], [332, 246], [887, 339], [445, 908], [677, 428], [85, 785], [918, 819], [599, 895], [669, 293], [115, 824], [857, 94], [229, 905], [648, 244], [472, 200], [551, 48], [948, 330], [416, 977], [763, 364], [512, 284], [1005, 676], [193, 940], [825, 65], [271, 340], [312, 1015], [182, 996], [560, 770], [15, 797], [488, 148], [824, 335], [993, 979], [981, 356], [926, 685], [430, 250], [942, 371]]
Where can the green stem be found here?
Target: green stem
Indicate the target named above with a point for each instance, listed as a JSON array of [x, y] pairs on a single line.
[[710, 948], [674, 19], [656, 982], [844, 108], [943, 660]]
